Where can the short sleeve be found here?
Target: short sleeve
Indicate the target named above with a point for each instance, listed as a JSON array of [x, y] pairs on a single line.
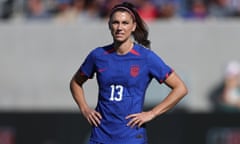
[[88, 66], [158, 68]]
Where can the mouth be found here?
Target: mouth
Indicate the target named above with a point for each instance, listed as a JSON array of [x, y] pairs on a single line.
[[119, 34]]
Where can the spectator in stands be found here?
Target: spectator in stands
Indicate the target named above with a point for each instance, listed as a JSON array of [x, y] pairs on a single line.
[[231, 91], [168, 9], [226, 96], [147, 10], [69, 10], [198, 10], [150, 10], [236, 7], [92, 10], [220, 8], [171, 8], [87, 10], [6, 9], [106, 8], [35, 9]]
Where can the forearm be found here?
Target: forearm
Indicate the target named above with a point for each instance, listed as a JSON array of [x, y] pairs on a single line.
[[169, 102], [179, 90], [92, 116]]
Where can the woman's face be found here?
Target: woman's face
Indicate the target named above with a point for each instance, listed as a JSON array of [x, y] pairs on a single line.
[[121, 25]]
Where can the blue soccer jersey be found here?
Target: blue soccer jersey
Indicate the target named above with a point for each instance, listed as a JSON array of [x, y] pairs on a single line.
[[122, 81]]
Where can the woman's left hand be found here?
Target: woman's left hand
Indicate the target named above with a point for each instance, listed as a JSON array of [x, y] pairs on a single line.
[[139, 118]]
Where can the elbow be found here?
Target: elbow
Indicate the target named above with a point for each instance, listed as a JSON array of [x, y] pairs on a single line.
[[71, 83], [184, 90], [181, 90]]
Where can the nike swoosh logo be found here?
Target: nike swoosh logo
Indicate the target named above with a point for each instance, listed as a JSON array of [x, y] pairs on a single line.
[[102, 70]]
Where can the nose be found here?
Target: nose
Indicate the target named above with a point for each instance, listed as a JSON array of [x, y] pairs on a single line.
[[119, 27]]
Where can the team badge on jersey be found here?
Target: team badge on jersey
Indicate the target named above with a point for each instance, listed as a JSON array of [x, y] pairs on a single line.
[[134, 71]]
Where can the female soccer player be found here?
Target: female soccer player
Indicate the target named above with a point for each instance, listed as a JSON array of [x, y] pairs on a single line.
[[123, 70]]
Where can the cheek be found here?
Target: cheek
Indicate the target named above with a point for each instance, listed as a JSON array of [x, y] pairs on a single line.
[[112, 30], [131, 29]]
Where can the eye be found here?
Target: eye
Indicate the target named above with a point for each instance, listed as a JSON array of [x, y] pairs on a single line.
[[125, 22], [114, 22]]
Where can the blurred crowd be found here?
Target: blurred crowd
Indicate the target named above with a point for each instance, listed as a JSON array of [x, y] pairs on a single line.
[[150, 10], [225, 97]]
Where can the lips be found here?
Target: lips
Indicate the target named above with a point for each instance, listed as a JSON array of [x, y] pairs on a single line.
[[119, 34]]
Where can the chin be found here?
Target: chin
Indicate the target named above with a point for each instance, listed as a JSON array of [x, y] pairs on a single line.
[[120, 40]]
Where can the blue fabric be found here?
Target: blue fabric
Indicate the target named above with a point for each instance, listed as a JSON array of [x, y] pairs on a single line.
[[122, 80]]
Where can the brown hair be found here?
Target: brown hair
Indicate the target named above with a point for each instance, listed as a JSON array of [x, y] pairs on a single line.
[[141, 32]]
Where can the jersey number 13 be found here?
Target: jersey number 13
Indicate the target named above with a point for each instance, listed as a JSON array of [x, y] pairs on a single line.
[[116, 93]]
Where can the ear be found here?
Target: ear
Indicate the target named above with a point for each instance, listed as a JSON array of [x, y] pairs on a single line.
[[134, 26]]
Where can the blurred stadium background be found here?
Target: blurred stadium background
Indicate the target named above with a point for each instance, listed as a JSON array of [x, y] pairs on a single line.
[[43, 43]]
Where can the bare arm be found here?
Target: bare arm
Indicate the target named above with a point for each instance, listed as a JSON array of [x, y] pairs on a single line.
[[179, 90], [77, 91]]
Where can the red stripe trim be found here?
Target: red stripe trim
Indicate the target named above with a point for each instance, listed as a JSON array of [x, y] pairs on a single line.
[[134, 52], [166, 76], [82, 74], [109, 51]]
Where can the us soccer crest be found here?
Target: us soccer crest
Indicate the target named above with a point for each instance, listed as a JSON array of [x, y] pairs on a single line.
[[134, 71]]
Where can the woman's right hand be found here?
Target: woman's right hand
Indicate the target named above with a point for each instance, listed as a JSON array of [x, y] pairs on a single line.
[[92, 116]]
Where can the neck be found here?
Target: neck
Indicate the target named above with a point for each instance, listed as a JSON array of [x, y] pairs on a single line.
[[123, 48]]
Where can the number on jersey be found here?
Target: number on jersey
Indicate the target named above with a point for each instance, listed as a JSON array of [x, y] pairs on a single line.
[[116, 93]]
